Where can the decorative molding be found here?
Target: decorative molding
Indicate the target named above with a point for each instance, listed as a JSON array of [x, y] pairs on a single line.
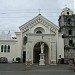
[[29, 41], [36, 20]]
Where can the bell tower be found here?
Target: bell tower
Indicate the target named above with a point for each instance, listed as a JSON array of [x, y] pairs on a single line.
[[67, 28]]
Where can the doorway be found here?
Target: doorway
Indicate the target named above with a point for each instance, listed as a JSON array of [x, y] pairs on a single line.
[[24, 56], [37, 51]]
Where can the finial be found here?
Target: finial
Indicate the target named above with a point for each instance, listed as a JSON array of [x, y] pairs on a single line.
[[65, 5], [39, 10]]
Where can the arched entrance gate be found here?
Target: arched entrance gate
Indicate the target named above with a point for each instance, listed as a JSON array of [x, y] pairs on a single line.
[[37, 51]]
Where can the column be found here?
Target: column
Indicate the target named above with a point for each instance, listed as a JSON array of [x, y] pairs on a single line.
[[57, 46]]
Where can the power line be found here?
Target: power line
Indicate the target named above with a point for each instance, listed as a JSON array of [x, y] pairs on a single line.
[[29, 9], [23, 11], [26, 16], [26, 12]]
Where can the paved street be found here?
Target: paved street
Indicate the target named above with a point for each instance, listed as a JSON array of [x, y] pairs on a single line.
[[19, 69]]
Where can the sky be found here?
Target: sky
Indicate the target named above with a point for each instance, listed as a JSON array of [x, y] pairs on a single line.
[[14, 13]]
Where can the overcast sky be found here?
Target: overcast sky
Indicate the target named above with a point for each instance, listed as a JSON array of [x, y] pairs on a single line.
[[14, 13]]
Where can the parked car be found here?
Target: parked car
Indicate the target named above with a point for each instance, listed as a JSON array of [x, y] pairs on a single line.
[[3, 60], [18, 60]]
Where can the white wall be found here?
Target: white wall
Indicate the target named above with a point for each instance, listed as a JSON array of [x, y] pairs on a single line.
[[8, 55], [18, 44], [61, 46]]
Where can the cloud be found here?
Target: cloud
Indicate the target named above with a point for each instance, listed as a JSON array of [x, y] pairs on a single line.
[[13, 19]]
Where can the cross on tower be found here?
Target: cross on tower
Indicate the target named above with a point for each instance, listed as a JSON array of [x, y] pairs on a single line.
[[65, 5]]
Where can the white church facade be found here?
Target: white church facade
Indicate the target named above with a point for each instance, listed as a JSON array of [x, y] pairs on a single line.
[[27, 44]]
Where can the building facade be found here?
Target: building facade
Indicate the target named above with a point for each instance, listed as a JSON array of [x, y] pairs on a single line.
[[37, 31], [27, 44], [67, 28], [8, 47]]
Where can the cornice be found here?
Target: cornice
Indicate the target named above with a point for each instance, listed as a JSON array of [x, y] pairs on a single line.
[[36, 20], [8, 40]]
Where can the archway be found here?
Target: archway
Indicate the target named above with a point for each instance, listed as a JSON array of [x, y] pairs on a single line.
[[37, 51]]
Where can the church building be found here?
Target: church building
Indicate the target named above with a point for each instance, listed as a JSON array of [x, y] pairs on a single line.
[[27, 44]]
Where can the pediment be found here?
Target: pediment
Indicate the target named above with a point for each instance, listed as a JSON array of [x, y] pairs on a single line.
[[36, 20], [52, 32]]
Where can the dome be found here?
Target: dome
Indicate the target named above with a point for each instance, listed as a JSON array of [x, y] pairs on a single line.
[[66, 11]]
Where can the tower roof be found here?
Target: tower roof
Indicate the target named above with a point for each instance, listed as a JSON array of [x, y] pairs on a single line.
[[66, 8], [66, 11]]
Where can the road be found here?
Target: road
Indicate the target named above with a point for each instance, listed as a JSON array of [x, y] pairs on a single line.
[[20, 69]]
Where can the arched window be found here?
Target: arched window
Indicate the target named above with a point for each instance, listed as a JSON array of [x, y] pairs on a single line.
[[1, 48], [70, 32], [69, 21], [8, 48], [24, 40], [68, 13], [70, 42], [5, 48], [39, 32]]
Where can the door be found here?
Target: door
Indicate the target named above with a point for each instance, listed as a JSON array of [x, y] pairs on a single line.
[[24, 56]]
